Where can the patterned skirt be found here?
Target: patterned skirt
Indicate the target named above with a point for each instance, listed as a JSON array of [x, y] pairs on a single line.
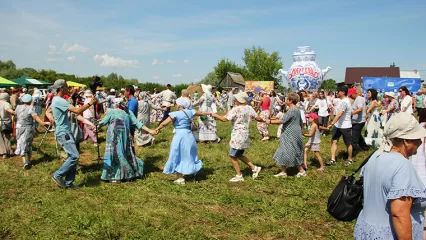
[[24, 141], [263, 127]]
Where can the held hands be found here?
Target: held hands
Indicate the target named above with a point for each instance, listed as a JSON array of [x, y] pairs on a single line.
[[153, 132]]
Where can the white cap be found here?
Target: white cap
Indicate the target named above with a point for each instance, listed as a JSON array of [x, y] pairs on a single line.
[[112, 90]]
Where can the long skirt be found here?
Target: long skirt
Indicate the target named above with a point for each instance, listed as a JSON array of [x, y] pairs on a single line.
[[207, 130], [120, 162], [24, 141], [374, 132], [183, 157], [5, 144], [263, 127], [142, 137]]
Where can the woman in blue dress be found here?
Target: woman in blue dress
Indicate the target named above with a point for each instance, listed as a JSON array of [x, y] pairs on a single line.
[[183, 157], [394, 195], [120, 161]]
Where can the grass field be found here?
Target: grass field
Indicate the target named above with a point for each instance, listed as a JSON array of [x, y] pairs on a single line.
[[207, 207]]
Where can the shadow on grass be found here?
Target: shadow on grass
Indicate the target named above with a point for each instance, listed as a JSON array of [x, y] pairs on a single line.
[[203, 174], [43, 157], [91, 180], [149, 164]]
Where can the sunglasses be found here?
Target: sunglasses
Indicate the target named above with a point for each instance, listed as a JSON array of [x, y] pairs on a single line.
[[400, 90]]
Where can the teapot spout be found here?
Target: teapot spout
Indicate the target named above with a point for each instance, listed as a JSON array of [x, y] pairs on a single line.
[[325, 71]]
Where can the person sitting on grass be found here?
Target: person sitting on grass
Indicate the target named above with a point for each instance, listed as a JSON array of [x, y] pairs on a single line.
[[240, 115], [314, 141], [24, 129]]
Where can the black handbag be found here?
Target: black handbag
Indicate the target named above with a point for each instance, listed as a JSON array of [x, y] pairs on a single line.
[[346, 201]]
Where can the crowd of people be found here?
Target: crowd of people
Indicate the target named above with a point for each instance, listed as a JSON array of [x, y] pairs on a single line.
[[387, 120]]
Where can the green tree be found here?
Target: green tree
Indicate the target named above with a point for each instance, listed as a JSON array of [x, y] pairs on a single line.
[[261, 65], [211, 79], [328, 84], [224, 66]]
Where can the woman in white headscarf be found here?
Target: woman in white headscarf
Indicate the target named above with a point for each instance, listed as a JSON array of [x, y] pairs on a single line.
[[120, 161], [394, 195], [207, 131], [183, 157], [5, 125], [144, 109]]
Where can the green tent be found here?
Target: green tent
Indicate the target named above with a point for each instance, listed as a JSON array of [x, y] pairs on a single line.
[[27, 81], [7, 83]]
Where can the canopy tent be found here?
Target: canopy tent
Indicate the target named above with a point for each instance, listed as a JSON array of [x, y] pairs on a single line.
[[7, 83], [27, 81], [74, 84]]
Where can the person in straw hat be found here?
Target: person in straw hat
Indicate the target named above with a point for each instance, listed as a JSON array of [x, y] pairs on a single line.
[[393, 192], [240, 115], [25, 115]]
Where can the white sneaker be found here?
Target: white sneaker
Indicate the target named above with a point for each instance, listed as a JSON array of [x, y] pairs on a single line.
[[237, 178], [180, 181], [256, 171], [301, 174], [281, 174], [218, 140]]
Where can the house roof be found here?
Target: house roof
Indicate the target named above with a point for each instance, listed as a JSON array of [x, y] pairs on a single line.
[[409, 74], [354, 74], [237, 78]]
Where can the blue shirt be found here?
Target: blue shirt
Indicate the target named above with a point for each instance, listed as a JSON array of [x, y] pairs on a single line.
[[132, 105], [60, 114]]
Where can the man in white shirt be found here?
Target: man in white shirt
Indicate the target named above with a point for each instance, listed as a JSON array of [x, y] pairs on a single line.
[[342, 126], [231, 99], [323, 106], [407, 100], [169, 98]]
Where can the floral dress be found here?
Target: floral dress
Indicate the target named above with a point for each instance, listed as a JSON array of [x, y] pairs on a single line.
[[157, 115], [374, 127], [206, 124], [240, 117], [120, 162]]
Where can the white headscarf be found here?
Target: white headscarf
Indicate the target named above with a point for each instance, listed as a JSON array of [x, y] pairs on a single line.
[[403, 125], [117, 101], [184, 102], [144, 96], [207, 89]]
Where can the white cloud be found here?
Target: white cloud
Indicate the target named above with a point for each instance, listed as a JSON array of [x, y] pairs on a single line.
[[156, 77], [52, 49], [185, 61], [177, 75], [69, 48], [110, 61], [54, 59], [171, 61], [71, 58], [156, 62]]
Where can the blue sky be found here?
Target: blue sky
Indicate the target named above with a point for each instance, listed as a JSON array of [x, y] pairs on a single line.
[[181, 41]]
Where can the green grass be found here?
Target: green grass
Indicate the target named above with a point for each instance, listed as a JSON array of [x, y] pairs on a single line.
[[207, 207]]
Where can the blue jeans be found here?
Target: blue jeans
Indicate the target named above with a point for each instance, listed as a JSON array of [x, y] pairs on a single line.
[[69, 168]]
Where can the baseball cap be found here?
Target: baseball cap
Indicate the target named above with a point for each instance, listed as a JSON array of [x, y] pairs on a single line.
[[312, 115], [59, 83], [351, 91]]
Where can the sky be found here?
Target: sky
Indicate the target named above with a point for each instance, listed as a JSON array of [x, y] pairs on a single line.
[[181, 41]]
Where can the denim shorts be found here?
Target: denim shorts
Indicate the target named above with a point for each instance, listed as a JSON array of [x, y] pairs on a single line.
[[236, 152]]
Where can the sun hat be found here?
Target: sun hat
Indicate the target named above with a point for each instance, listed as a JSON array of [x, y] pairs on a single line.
[[402, 125], [390, 94], [206, 88], [88, 93], [278, 108], [27, 98], [351, 91], [312, 115], [241, 97], [112, 90]]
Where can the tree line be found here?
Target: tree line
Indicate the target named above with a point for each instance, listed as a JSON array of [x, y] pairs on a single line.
[[9, 71]]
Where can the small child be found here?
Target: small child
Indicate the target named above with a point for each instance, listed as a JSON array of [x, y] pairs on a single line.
[[314, 141], [279, 115], [240, 115], [24, 129]]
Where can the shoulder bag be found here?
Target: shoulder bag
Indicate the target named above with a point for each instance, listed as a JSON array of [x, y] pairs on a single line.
[[194, 126], [346, 201]]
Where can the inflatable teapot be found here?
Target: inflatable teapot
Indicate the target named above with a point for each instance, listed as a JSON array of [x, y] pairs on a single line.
[[304, 73]]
